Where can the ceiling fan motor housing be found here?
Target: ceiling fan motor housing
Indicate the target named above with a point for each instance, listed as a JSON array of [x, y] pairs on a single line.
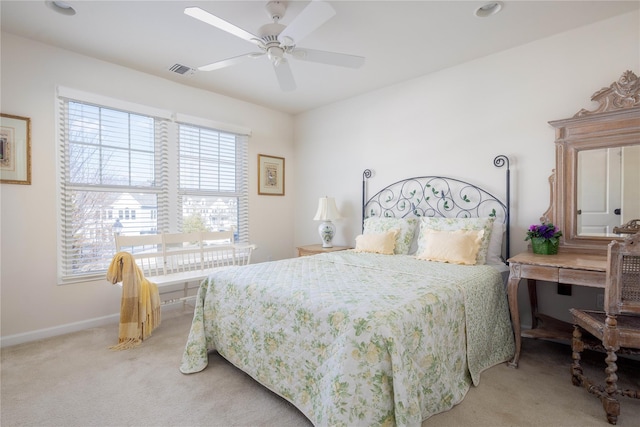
[[270, 43], [269, 32]]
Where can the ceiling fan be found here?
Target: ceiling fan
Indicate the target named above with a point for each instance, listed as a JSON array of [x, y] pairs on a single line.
[[279, 42]]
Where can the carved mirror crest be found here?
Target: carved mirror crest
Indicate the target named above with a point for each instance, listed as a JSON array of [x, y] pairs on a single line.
[[595, 190]]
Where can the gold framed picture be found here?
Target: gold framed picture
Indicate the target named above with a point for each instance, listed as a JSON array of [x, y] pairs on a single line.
[[15, 149], [270, 175]]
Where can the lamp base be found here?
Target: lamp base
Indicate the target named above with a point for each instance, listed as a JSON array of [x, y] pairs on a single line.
[[327, 230]]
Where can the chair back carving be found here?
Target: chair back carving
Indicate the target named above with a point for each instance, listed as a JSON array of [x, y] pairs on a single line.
[[622, 292]]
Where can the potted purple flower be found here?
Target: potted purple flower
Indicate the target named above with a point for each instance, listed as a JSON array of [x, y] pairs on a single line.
[[545, 238]]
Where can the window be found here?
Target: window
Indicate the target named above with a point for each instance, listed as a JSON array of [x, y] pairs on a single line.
[[213, 185], [114, 176]]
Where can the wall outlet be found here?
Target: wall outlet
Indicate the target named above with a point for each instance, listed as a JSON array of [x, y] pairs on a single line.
[[600, 301]]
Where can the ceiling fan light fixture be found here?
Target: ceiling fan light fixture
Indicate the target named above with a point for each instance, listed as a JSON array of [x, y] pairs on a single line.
[[61, 7], [488, 9], [276, 55]]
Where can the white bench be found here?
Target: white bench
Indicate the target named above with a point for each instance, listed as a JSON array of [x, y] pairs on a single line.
[[174, 261]]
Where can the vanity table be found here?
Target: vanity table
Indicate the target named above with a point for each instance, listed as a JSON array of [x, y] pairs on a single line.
[[571, 268], [595, 189]]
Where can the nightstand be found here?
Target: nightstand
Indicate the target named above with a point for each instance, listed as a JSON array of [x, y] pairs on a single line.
[[318, 249]]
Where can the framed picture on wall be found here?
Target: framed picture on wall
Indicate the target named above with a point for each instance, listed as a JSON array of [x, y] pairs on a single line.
[[15, 149], [270, 175]]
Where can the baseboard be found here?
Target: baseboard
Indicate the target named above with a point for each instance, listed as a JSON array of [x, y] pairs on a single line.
[[58, 330], [61, 330]]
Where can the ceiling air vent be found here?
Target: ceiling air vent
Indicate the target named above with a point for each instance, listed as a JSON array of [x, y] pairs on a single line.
[[182, 69]]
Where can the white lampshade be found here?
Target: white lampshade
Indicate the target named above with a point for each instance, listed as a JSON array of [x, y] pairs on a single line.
[[327, 210]]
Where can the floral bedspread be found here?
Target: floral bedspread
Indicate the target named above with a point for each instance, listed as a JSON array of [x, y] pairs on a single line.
[[355, 339]]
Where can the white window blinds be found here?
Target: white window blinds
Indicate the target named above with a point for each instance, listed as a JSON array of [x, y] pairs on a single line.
[[115, 176], [213, 188]]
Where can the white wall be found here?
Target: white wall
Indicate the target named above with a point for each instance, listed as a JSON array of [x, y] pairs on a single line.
[[454, 122], [31, 298]]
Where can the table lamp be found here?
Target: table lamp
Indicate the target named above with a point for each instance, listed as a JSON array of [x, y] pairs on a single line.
[[327, 211]]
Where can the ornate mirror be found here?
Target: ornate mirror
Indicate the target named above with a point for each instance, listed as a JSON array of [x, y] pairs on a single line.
[[595, 188]]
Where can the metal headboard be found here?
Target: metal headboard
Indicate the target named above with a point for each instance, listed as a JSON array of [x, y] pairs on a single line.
[[441, 197]]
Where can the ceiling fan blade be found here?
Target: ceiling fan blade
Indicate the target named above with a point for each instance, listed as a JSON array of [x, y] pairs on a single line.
[[331, 58], [228, 62], [206, 17], [313, 16], [285, 76]]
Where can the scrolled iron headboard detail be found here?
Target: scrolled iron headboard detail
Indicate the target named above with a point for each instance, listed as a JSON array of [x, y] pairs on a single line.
[[365, 175], [500, 161], [438, 196]]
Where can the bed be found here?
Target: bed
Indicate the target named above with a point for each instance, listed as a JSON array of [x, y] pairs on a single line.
[[367, 336]]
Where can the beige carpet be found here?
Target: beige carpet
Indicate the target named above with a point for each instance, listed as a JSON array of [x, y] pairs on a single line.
[[74, 380]]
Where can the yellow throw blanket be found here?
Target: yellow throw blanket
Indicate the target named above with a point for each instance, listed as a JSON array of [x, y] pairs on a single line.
[[140, 306]]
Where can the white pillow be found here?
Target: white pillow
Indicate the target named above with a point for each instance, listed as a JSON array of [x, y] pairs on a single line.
[[453, 224], [406, 230], [494, 252], [378, 243], [455, 247]]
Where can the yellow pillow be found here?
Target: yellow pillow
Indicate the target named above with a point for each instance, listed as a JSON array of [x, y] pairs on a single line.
[[455, 247], [378, 243]]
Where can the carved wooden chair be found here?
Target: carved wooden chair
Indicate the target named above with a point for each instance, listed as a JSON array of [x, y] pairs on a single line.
[[618, 327]]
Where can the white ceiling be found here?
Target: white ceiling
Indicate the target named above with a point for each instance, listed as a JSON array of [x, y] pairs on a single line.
[[400, 40]]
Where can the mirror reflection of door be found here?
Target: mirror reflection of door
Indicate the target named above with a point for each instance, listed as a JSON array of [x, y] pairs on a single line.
[[599, 193], [608, 189]]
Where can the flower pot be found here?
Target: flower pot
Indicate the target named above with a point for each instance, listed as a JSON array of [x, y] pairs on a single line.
[[544, 247]]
